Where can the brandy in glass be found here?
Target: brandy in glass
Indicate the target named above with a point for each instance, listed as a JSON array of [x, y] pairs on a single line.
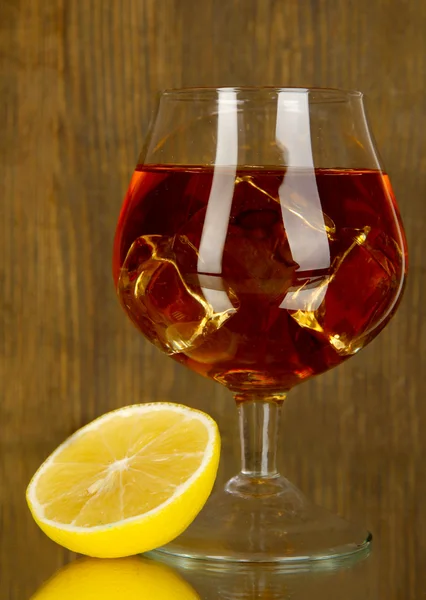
[[260, 244]]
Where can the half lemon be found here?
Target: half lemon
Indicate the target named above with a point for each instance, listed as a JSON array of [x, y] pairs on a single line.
[[129, 482]]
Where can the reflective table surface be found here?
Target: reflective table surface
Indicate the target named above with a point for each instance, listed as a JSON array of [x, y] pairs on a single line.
[[31, 566]]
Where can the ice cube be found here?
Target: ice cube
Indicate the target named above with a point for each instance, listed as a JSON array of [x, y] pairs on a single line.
[[165, 297], [359, 293]]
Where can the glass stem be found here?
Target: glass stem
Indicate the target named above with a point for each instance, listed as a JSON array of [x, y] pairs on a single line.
[[259, 420]]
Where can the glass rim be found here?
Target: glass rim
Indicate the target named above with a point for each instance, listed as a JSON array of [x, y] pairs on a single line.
[[208, 90]]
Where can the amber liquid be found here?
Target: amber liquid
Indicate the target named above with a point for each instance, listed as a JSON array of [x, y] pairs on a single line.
[[259, 278]]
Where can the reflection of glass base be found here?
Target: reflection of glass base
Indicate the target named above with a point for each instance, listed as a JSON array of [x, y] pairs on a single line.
[[351, 577], [266, 520]]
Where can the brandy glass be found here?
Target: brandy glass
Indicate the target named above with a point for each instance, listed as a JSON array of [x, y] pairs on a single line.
[[260, 244]]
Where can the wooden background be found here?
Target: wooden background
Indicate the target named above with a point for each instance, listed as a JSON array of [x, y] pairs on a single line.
[[77, 87]]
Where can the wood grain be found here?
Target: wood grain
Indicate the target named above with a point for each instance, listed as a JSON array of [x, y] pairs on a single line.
[[77, 88]]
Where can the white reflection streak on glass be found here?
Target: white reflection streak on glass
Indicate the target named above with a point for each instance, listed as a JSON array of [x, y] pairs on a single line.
[[216, 222], [309, 246]]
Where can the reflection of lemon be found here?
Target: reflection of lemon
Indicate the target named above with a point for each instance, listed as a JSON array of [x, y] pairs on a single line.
[[209, 348], [117, 579], [184, 335], [218, 347], [129, 482]]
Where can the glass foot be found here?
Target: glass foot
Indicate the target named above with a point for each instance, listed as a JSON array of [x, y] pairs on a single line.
[[266, 520]]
